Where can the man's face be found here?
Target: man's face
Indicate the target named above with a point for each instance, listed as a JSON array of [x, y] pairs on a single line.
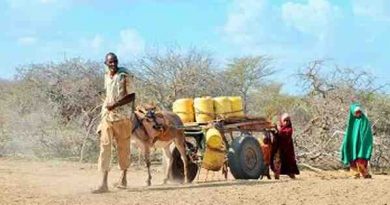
[[112, 63]]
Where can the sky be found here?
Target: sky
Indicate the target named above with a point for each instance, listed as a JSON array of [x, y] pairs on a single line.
[[349, 33]]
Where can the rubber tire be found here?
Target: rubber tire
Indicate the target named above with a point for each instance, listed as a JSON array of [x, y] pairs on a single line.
[[177, 173], [237, 158]]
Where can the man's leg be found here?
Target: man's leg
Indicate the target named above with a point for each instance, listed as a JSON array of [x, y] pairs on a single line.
[[103, 187], [122, 136], [104, 157]]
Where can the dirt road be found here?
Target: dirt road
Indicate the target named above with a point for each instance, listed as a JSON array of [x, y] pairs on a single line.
[[53, 182]]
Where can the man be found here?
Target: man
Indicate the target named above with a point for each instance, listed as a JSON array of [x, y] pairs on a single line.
[[115, 124]]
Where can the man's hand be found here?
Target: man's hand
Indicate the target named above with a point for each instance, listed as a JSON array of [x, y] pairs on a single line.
[[125, 100]]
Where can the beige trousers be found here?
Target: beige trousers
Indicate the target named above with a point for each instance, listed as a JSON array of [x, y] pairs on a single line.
[[120, 131]]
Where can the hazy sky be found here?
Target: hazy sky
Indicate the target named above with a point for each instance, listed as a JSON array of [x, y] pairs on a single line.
[[353, 33]]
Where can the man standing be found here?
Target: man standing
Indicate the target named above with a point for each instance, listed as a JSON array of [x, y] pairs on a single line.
[[115, 124]]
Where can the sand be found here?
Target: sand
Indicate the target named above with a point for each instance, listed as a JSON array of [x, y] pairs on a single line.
[[58, 182]]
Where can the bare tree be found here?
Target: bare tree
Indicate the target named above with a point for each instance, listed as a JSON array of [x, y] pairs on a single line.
[[173, 74], [268, 101], [69, 94], [246, 73], [330, 91]]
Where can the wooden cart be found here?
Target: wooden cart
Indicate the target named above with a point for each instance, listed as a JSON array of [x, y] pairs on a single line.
[[243, 153]]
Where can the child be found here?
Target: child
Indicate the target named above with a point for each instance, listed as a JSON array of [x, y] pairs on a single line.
[[283, 155]]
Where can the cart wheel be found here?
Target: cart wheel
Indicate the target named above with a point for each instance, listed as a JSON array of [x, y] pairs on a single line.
[[177, 173], [245, 158]]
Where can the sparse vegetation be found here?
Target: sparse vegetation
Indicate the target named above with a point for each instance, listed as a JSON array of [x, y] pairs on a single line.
[[52, 110]]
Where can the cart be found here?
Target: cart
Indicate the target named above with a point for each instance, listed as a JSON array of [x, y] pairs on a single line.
[[243, 154]]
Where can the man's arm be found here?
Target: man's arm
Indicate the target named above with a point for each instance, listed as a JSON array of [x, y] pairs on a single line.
[[125, 100], [125, 88]]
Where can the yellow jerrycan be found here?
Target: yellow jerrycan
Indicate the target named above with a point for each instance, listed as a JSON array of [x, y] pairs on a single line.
[[204, 109], [222, 106], [214, 155], [237, 109], [184, 108]]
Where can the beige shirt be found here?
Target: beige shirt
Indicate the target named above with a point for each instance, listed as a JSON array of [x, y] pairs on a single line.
[[117, 87]]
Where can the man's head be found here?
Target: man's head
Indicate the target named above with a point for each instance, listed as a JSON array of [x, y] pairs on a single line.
[[111, 62]]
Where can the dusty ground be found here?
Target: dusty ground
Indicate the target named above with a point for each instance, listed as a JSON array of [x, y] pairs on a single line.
[[53, 182]]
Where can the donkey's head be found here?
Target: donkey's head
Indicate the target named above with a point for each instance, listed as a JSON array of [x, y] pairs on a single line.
[[149, 110]]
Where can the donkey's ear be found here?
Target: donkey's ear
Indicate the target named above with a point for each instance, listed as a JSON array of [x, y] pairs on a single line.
[[140, 108]]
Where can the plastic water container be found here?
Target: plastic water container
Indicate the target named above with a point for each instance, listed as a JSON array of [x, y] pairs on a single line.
[[204, 109], [222, 106], [184, 108], [236, 106]]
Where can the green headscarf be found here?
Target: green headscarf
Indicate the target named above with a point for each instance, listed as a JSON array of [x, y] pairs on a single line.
[[358, 140]]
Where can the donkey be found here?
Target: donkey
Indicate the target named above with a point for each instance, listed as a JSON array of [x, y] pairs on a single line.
[[170, 134]]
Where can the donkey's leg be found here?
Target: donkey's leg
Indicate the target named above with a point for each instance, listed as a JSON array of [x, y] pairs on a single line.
[[168, 159], [181, 146], [147, 161], [140, 156]]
